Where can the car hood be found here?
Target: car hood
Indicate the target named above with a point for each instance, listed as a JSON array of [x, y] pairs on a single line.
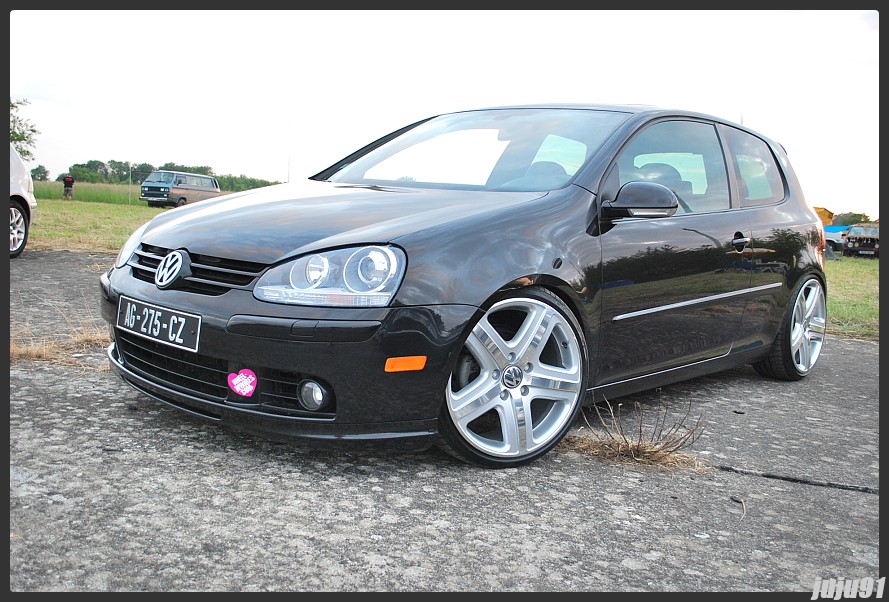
[[266, 225]]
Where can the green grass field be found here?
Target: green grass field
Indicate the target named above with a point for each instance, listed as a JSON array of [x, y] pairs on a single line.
[[853, 293], [115, 194]]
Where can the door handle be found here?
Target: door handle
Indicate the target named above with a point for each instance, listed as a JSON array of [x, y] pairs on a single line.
[[740, 242]]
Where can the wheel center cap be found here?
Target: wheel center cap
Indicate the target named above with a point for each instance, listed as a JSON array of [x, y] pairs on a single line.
[[512, 377]]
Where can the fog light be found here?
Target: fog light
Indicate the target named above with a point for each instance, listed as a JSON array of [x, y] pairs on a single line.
[[312, 396]]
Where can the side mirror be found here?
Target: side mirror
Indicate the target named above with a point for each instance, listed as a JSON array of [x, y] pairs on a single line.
[[641, 199]]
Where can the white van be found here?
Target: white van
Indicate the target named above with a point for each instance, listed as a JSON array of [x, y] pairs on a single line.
[[163, 188], [22, 203]]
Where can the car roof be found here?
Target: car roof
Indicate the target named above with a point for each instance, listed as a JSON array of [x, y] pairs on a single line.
[[641, 110], [624, 108]]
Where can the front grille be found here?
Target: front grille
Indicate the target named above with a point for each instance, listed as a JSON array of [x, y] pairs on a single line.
[[865, 243], [193, 373], [206, 377], [209, 275]]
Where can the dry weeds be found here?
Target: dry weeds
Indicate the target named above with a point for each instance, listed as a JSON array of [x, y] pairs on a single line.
[[68, 350], [658, 445]]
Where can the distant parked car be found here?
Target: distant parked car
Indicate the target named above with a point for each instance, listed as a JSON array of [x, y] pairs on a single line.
[[474, 278], [22, 203], [164, 188], [862, 240], [835, 237]]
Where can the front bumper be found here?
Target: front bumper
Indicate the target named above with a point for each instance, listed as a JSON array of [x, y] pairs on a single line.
[[344, 349], [861, 252]]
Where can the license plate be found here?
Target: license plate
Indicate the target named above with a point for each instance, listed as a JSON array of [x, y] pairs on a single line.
[[161, 324], [866, 252]]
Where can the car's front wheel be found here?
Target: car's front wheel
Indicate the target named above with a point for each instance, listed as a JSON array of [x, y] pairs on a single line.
[[518, 383], [18, 228], [798, 345]]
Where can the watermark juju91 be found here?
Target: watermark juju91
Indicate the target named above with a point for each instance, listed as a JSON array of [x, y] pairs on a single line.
[[848, 588]]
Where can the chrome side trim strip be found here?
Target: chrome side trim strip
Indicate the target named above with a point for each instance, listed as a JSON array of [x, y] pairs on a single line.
[[653, 310]]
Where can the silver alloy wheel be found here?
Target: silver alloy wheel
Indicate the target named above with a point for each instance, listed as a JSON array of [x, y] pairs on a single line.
[[808, 326], [17, 229], [520, 380]]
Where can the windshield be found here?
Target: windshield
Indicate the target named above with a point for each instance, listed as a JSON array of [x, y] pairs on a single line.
[[863, 231], [160, 176], [496, 149]]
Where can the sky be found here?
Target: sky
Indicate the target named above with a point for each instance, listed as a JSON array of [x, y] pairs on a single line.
[[280, 95]]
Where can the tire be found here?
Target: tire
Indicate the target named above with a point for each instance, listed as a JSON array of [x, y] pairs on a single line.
[[798, 345], [518, 382], [18, 228], [180, 202]]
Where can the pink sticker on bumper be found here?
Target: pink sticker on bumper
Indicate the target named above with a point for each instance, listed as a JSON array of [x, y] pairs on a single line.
[[243, 383]]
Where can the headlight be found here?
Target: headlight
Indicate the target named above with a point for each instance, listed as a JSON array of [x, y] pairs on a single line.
[[353, 277], [128, 247]]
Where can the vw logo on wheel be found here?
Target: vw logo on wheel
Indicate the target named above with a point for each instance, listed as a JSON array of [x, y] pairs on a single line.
[[170, 269], [512, 377]]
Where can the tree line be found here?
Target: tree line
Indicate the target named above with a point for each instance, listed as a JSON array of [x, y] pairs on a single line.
[[850, 219], [124, 172], [23, 133]]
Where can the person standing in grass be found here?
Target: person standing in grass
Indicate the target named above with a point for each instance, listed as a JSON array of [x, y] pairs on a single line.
[[68, 180]]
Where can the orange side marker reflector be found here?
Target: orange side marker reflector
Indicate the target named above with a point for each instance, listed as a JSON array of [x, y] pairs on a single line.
[[405, 363]]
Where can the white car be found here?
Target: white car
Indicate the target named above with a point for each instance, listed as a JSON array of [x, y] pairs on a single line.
[[22, 203], [835, 237]]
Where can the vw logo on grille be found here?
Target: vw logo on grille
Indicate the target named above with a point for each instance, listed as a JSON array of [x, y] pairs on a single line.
[[170, 269], [512, 377]]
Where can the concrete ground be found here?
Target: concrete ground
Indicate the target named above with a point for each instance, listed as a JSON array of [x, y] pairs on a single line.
[[111, 491]]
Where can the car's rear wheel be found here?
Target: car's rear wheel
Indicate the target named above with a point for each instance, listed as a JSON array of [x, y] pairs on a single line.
[[798, 345], [18, 228], [518, 383]]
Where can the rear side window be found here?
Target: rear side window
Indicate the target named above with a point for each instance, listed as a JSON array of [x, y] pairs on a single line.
[[759, 179]]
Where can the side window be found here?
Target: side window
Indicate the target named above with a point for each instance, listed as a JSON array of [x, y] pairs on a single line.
[[205, 183], [180, 179], [193, 181], [684, 156], [759, 178]]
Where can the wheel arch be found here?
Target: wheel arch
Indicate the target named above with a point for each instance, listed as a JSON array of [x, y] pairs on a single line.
[[23, 204], [554, 284]]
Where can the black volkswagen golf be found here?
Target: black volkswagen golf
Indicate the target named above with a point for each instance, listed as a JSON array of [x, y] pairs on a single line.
[[471, 280]]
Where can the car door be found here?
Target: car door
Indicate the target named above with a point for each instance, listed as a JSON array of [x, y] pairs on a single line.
[[674, 288]]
